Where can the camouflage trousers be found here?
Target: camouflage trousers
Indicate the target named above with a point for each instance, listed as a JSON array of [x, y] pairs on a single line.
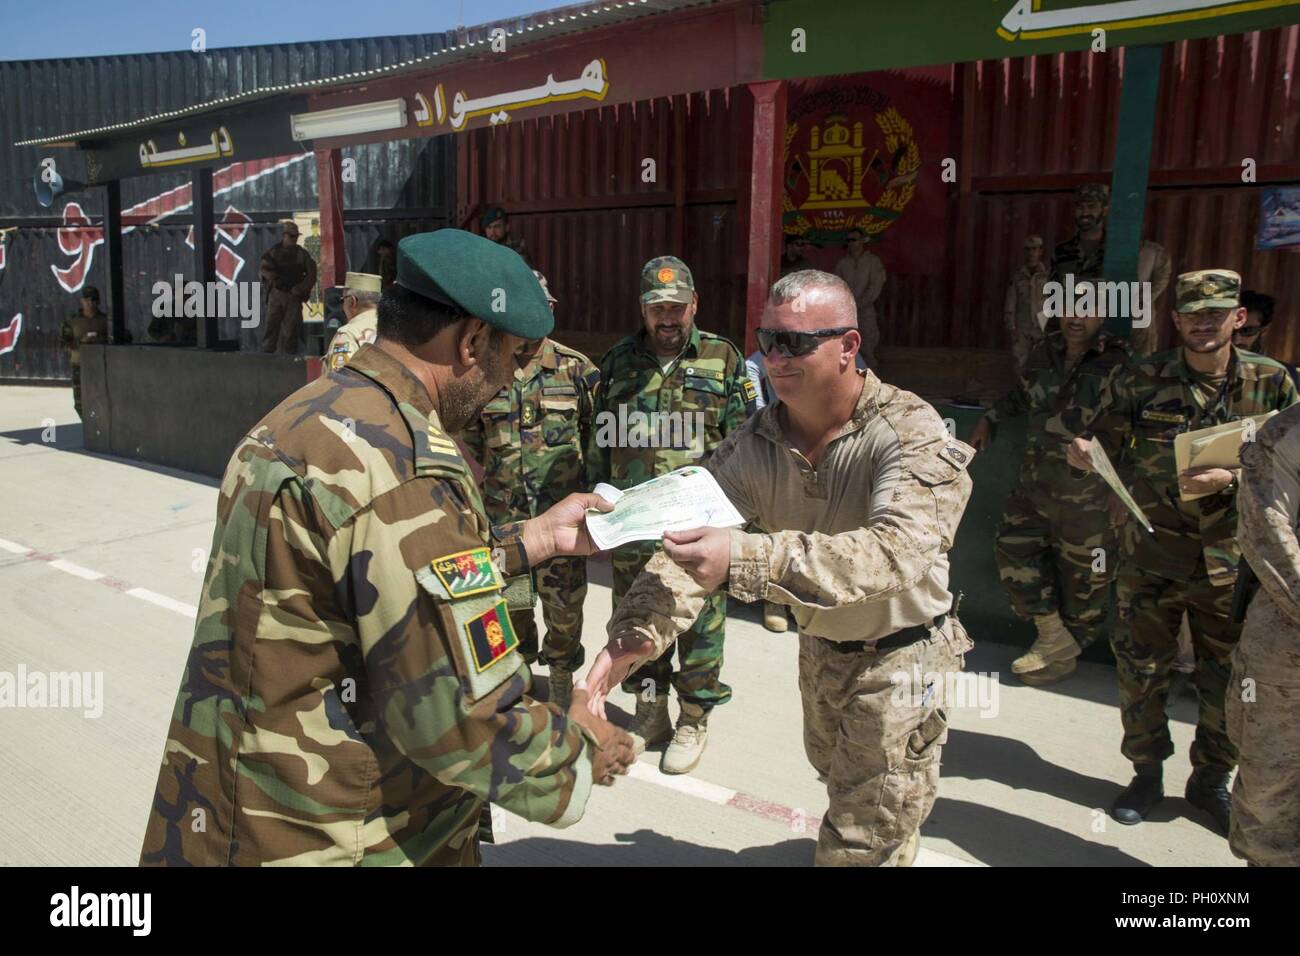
[[282, 308], [1045, 552], [76, 389], [1149, 613], [561, 584], [1263, 712], [874, 734], [699, 650]]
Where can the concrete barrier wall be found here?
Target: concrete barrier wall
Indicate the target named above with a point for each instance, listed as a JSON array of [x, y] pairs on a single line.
[[184, 408]]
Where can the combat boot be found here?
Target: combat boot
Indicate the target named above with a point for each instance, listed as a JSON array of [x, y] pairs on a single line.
[[1146, 790], [651, 725], [560, 687], [1054, 644], [1207, 789], [774, 618], [684, 753]]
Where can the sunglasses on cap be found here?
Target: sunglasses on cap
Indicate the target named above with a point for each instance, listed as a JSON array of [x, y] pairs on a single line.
[[794, 344]]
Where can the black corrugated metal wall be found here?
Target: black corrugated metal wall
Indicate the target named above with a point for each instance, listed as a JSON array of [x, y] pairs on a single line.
[[400, 187]]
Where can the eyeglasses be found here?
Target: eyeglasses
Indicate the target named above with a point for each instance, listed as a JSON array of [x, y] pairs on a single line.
[[794, 344]]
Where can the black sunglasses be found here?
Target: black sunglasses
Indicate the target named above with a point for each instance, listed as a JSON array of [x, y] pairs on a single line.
[[794, 344]]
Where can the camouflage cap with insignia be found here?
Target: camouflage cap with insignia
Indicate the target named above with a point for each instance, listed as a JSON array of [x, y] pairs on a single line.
[[362, 282], [1208, 289], [666, 279], [1092, 192], [1033, 242], [489, 280]]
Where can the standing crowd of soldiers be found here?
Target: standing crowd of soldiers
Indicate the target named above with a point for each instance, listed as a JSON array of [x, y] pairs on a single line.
[[391, 594]]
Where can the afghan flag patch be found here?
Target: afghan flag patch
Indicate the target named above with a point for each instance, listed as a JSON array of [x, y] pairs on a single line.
[[467, 572], [490, 636]]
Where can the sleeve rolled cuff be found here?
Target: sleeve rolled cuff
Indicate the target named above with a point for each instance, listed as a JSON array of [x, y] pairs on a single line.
[[582, 778], [508, 550], [750, 571]]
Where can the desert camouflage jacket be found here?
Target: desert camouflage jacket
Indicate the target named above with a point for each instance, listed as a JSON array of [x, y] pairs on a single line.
[[354, 693], [1137, 414]]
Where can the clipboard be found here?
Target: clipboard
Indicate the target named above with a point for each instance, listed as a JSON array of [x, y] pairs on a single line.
[[1218, 446]]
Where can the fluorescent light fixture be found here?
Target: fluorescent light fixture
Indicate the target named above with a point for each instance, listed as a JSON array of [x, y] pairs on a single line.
[[349, 120]]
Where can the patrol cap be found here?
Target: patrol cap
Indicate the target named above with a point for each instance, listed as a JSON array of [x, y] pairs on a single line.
[[545, 287], [290, 227], [1208, 289], [1033, 242], [666, 279], [363, 282], [488, 280], [90, 292], [490, 215], [1092, 192]]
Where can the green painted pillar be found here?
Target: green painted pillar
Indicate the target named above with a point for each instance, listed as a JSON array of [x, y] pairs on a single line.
[[1128, 186]]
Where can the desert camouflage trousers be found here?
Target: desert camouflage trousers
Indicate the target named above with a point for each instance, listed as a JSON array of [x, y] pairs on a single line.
[[873, 728], [699, 650], [1047, 552], [1149, 613], [561, 584], [1263, 711]]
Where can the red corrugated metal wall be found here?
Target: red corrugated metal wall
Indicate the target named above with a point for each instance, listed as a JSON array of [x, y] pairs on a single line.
[[578, 189], [1044, 123], [574, 186]]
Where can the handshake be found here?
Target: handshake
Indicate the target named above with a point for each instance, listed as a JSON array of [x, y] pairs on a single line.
[[704, 553]]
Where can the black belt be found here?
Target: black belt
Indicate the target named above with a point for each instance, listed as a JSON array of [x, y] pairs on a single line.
[[908, 635]]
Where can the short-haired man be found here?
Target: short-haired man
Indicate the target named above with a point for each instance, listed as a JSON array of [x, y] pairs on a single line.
[[865, 275], [859, 488]]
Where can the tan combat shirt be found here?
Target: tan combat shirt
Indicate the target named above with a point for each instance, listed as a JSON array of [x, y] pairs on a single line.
[[1269, 506], [857, 546], [361, 330]]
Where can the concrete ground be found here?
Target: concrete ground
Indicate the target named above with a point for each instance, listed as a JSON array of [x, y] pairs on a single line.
[[101, 561]]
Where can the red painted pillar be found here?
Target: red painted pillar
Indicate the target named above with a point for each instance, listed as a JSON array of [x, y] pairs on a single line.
[[765, 193], [333, 265]]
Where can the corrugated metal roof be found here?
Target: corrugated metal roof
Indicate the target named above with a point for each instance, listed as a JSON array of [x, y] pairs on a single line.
[[461, 45]]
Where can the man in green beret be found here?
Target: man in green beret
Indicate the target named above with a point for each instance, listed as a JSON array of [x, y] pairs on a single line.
[[496, 226], [355, 693], [1189, 565], [670, 367]]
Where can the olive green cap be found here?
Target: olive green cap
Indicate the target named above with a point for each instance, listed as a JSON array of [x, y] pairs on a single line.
[[1208, 289], [666, 279], [1095, 192], [488, 280]]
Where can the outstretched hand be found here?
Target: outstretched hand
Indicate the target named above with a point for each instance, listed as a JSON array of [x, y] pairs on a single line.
[[615, 751], [562, 528], [612, 666]]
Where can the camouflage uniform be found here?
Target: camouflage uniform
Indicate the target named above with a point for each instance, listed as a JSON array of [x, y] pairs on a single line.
[[1056, 518], [530, 440], [76, 332], [293, 273], [360, 330], [858, 549], [865, 275], [1190, 563], [1265, 726], [354, 693], [1083, 260], [707, 378], [1021, 309]]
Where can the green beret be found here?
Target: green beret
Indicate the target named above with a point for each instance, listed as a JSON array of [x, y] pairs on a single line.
[[488, 280]]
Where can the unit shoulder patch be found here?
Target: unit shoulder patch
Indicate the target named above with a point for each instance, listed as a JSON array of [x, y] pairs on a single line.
[[467, 572], [490, 637], [751, 393]]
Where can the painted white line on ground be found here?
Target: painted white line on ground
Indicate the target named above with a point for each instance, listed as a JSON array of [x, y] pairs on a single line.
[[15, 548], [691, 786], [162, 600], [75, 569]]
